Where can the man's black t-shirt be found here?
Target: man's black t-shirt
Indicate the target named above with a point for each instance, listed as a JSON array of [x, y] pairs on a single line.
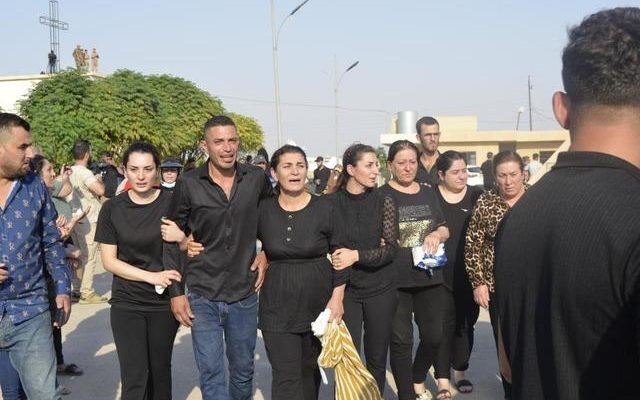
[[568, 282], [322, 175], [111, 179], [430, 177], [487, 174], [135, 229]]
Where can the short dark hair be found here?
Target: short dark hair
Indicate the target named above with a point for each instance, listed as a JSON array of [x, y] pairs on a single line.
[[141, 147], [106, 153], [286, 149], [217, 120], [507, 156], [600, 62], [351, 156], [400, 145], [426, 121], [80, 148], [446, 159], [8, 121]]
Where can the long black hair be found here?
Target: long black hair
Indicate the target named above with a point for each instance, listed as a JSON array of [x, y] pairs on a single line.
[[351, 156]]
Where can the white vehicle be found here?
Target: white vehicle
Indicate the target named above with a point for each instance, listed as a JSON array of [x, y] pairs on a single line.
[[475, 176]]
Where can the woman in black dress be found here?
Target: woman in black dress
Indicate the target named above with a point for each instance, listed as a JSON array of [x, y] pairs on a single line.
[[368, 240], [129, 233], [296, 230], [457, 200], [421, 294]]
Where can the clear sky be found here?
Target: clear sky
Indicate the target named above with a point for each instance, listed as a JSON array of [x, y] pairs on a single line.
[[434, 57]]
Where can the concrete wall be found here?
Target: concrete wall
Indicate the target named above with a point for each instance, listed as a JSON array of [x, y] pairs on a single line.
[[14, 88]]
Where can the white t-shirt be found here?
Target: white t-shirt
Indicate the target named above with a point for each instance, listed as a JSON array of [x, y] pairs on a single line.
[[533, 167], [82, 197]]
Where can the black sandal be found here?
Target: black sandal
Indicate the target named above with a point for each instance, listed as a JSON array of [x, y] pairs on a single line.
[[443, 394], [70, 369], [464, 386]]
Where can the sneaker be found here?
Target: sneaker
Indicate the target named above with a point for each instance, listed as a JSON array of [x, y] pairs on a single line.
[[92, 298]]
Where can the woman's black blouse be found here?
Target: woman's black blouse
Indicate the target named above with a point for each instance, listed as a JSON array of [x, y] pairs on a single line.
[[368, 222], [457, 216], [300, 278]]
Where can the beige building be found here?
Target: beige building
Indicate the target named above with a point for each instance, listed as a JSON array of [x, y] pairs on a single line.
[[462, 134]]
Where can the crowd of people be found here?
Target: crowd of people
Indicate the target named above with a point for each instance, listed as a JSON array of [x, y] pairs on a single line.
[[229, 248]]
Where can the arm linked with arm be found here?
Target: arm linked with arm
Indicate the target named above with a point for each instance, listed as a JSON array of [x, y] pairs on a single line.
[[384, 254], [172, 256]]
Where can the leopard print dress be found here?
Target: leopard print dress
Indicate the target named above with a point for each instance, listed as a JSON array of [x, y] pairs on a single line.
[[479, 241]]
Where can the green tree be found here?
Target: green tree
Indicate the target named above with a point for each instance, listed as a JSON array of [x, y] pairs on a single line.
[[110, 113], [60, 111]]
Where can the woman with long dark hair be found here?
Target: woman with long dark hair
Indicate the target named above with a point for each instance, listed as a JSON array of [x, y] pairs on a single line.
[[491, 207], [296, 230], [129, 233], [457, 199], [421, 294], [368, 240]]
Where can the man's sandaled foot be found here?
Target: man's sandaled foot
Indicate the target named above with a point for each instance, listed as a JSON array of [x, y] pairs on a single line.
[[69, 369], [464, 386], [443, 394]]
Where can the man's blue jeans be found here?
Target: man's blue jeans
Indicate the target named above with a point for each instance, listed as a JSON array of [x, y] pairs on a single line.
[[216, 324], [30, 348], [9, 379]]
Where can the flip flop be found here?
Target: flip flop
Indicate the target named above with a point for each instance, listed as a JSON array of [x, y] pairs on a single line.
[[464, 386], [443, 394], [70, 369]]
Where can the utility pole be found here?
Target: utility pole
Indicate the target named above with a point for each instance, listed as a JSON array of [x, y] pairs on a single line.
[[55, 25], [529, 87]]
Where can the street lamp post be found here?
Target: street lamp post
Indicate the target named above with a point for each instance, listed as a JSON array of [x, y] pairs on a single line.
[[520, 111], [336, 86], [275, 35]]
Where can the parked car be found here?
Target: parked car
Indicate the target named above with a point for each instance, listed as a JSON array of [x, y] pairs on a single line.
[[475, 176]]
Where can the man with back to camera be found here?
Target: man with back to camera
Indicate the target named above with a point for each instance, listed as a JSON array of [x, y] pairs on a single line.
[[569, 301], [218, 204], [487, 172], [428, 134], [534, 165], [87, 189], [110, 173], [30, 243]]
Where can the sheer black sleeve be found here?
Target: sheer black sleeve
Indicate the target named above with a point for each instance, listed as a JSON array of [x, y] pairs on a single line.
[[382, 255]]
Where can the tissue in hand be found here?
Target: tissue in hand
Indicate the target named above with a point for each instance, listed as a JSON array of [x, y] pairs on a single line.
[[428, 262]]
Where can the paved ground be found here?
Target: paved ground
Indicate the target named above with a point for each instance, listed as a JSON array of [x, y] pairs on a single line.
[[87, 341]]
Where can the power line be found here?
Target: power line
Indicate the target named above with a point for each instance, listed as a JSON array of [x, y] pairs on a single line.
[[306, 104]]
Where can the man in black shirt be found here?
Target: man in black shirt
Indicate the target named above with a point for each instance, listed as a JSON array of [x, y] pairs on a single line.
[[111, 175], [321, 176], [428, 134], [487, 172], [568, 254], [218, 204]]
